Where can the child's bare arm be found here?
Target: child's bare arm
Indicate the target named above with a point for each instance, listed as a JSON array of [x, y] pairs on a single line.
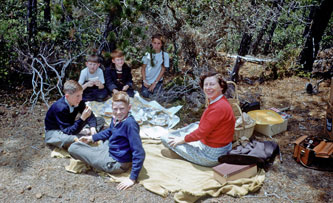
[[143, 73]]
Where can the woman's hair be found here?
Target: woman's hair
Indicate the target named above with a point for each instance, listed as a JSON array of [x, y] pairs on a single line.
[[121, 96], [159, 37], [71, 86], [117, 53], [93, 58], [220, 80]]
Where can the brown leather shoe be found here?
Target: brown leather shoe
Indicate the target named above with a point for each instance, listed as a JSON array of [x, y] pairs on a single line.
[[170, 154]]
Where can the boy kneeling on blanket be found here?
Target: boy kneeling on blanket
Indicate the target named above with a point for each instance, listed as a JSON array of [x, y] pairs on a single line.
[[122, 146]]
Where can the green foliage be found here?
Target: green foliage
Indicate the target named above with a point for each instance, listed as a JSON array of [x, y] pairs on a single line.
[[327, 41], [285, 66], [83, 26], [75, 27], [304, 74]]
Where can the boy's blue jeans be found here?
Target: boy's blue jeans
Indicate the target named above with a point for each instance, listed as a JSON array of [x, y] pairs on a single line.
[[146, 93]]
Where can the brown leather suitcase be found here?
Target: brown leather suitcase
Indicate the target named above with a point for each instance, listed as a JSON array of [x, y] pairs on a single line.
[[306, 149]]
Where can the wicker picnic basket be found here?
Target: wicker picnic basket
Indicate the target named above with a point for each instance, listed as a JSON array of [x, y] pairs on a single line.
[[244, 130], [234, 102]]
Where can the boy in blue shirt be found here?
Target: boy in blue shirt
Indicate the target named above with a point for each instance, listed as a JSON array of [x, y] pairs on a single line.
[[61, 128], [92, 81], [122, 147]]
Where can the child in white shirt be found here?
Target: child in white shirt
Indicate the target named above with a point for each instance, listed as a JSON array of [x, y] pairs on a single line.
[[92, 81], [153, 68]]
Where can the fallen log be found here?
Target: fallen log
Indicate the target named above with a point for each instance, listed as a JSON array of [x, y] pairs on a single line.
[[250, 59]]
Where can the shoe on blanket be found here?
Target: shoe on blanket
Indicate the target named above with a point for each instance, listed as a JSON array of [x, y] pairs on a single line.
[[170, 154]]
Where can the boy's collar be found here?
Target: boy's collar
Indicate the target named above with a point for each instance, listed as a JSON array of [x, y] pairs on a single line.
[[116, 122], [119, 69], [71, 108]]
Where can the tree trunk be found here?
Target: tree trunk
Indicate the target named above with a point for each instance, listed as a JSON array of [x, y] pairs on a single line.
[[32, 22], [111, 44], [245, 44], [318, 25], [255, 44], [47, 16], [270, 37], [243, 50], [308, 20], [277, 4], [235, 69]]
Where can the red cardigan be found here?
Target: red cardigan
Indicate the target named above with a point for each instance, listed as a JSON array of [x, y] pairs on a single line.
[[217, 125]]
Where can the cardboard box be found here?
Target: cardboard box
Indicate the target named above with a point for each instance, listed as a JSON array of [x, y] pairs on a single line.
[[272, 129], [269, 122], [328, 121]]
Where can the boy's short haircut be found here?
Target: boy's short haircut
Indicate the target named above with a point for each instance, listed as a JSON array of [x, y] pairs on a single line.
[[121, 96], [92, 58], [117, 53], [72, 86]]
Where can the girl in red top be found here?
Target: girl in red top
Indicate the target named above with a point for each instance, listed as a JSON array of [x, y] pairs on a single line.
[[214, 135]]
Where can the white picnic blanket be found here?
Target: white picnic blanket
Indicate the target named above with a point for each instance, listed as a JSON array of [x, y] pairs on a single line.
[[154, 119]]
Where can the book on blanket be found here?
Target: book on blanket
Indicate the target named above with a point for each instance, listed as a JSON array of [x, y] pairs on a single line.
[[227, 172]]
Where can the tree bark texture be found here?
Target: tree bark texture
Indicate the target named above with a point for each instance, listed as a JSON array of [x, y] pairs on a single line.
[[245, 44], [278, 4], [32, 21], [235, 69], [254, 48], [318, 25], [244, 48], [47, 16]]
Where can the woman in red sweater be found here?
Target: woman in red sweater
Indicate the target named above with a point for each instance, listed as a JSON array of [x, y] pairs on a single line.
[[214, 135]]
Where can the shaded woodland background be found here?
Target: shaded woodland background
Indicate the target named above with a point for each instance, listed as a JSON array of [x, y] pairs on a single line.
[[44, 42]]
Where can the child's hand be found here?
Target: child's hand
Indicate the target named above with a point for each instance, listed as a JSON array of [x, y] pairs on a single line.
[[93, 131], [146, 84], [125, 88], [152, 87], [90, 83], [86, 113], [97, 83], [114, 91], [123, 185], [86, 139]]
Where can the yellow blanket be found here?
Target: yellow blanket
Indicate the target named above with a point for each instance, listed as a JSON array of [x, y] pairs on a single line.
[[162, 175], [188, 181]]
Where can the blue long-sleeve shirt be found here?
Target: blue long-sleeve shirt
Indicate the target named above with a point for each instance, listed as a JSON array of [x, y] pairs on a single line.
[[124, 143], [59, 117]]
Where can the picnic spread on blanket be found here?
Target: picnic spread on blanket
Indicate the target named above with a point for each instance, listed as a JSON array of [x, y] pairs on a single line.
[[188, 181]]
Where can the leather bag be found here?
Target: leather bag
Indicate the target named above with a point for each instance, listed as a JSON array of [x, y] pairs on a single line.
[[306, 149]]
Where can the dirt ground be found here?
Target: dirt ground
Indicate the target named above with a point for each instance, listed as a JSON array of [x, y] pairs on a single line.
[[29, 174]]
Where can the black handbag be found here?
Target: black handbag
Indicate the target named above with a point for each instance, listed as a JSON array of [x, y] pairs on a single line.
[[262, 153]]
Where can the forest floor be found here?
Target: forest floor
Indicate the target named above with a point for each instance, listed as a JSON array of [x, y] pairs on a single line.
[[29, 174]]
